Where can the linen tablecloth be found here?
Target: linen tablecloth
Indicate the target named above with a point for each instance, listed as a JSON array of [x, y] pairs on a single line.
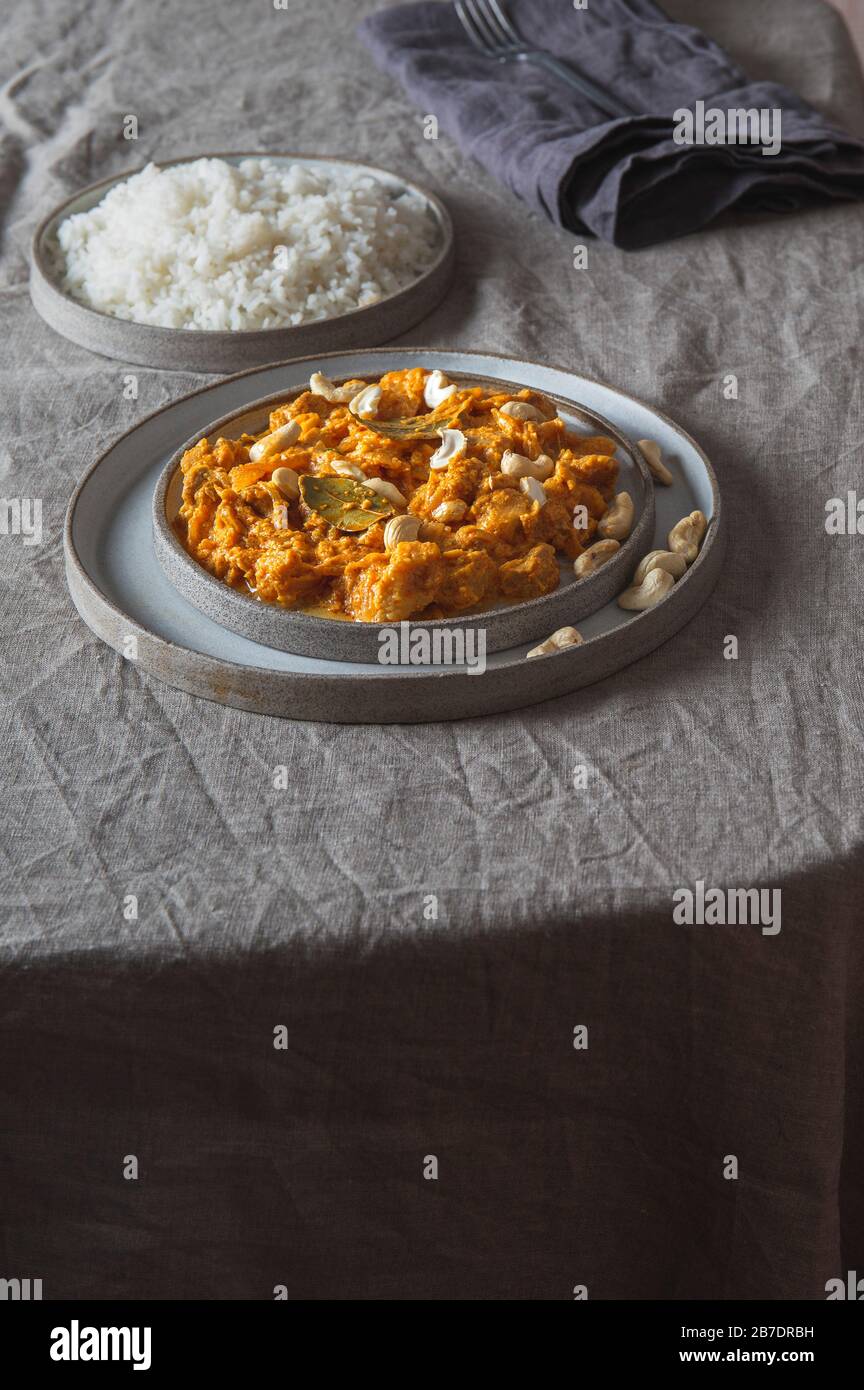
[[440, 917]]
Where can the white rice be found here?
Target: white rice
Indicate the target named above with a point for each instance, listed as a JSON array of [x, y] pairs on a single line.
[[211, 245]]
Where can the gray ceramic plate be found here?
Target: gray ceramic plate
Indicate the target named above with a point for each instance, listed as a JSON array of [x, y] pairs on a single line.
[[120, 590], [198, 351], [503, 626]]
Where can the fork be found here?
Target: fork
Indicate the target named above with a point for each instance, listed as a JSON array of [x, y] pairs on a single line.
[[490, 30]]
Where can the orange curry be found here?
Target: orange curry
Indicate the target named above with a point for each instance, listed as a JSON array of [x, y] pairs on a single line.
[[313, 524]]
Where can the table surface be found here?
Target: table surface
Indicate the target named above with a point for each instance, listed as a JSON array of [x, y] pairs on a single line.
[[431, 911]]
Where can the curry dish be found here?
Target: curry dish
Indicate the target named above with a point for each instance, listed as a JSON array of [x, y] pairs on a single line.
[[410, 496]]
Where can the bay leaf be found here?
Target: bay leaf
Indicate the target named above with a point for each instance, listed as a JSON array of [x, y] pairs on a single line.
[[444, 416], [344, 503]]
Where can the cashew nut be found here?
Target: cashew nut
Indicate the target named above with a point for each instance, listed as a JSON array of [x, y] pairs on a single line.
[[660, 560], [453, 443], [521, 410], [686, 535], [388, 490], [453, 510], [437, 389], [594, 557], [274, 443], [617, 520], [347, 470], [651, 452], [400, 528], [321, 385], [518, 466], [365, 404], [564, 637], [534, 490], [653, 588], [287, 482]]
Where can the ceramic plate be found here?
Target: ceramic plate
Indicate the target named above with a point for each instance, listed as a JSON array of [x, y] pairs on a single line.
[[505, 625], [121, 591], [201, 351]]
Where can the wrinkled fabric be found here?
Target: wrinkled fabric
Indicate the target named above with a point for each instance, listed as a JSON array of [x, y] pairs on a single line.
[[625, 179], [429, 912]]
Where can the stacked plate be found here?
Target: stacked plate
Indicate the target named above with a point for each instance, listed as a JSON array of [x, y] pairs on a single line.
[[130, 577]]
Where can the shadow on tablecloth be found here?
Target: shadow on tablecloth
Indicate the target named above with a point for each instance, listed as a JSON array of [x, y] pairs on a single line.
[[303, 1167]]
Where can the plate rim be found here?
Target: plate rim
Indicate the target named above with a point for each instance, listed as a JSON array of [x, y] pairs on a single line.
[[242, 336], [215, 665]]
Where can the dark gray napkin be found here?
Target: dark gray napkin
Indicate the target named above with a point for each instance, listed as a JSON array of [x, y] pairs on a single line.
[[625, 180]]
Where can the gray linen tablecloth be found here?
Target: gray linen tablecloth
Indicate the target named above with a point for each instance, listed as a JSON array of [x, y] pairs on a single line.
[[309, 909]]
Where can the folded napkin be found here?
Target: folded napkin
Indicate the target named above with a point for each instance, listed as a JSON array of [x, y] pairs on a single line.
[[628, 180]]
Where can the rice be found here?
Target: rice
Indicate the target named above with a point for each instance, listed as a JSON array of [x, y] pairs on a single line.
[[212, 245]]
